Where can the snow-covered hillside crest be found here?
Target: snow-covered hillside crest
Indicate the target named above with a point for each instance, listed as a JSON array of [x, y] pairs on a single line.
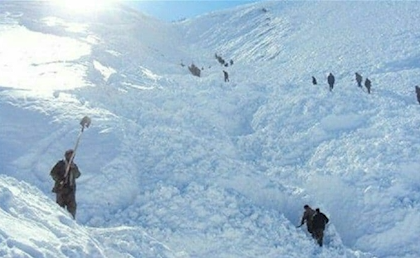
[[179, 166]]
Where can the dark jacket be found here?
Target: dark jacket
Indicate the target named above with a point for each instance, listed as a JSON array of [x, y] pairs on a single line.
[[58, 172], [331, 79], [307, 216], [226, 75], [319, 221], [359, 79], [368, 83]]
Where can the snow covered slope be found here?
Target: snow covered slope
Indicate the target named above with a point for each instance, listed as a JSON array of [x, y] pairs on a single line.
[[180, 166]]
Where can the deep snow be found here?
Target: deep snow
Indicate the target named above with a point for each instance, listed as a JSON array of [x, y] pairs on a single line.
[[179, 166]]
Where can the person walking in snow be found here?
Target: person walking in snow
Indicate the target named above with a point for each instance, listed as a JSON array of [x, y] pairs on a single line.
[[64, 174], [331, 81], [226, 76], [418, 93], [307, 217], [319, 221], [368, 85], [359, 79], [314, 82]]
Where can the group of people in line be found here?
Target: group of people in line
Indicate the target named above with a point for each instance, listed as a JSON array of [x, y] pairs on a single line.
[[331, 82], [359, 79], [315, 222]]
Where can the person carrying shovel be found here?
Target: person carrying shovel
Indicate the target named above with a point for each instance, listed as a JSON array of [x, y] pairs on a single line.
[[64, 173]]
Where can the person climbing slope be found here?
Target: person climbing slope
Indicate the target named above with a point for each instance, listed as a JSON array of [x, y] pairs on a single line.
[[64, 174]]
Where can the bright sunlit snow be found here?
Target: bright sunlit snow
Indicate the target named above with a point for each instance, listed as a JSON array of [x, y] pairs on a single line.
[[179, 166], [83, 6]]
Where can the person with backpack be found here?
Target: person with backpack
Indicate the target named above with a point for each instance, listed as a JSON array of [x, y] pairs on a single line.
[[359, 79], [307, 217], [331, 81], [368, 85], [64, 174], [319, 221]]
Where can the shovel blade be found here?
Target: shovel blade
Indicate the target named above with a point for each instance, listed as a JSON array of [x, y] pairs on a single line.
[[85, 122]]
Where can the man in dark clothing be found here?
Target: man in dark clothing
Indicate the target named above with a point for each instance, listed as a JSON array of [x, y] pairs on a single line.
[[318, 224], [307, 217], [314, 82], [64, 174], [418, 93], [368, 84], [331, 81], [359, 79], [226, 75]]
